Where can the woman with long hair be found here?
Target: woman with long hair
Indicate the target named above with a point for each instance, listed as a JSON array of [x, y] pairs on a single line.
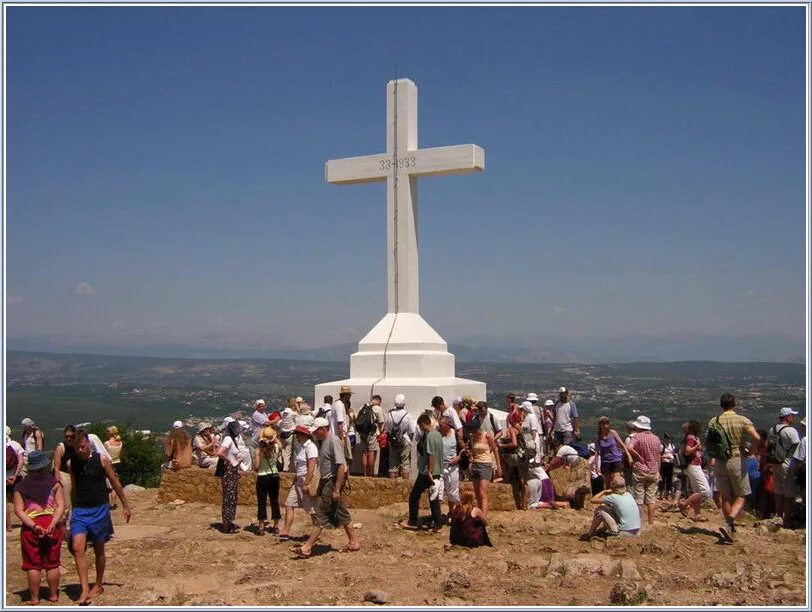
[[265, 457], [610, 448], [178, 448], [483, 460], [114, 446], [62, 453], [230, 451], [468, 524], [700, 489], [513, 462]]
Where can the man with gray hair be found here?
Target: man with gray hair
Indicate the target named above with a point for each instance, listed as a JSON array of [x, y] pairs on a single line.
[[399, 430], [782, 440], [331, 509]]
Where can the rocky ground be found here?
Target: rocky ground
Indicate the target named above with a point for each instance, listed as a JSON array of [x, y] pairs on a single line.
[[172, 554]]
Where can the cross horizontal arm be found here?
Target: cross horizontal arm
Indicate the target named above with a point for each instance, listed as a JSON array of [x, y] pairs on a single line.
[[353, 170], [458, 159]]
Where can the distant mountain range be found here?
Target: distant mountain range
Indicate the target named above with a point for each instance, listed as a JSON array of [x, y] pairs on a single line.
[[630, 348]]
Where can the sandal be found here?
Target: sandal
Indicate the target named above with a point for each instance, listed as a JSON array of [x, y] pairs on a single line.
[[283, 537], [297, 550]]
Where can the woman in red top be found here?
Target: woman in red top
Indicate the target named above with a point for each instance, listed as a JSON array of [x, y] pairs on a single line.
[[700, 489], [468, 524]]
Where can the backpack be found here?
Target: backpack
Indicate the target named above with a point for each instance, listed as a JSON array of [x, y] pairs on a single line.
[[11, 458], [717, 442], [522, 451], [323, 413], [776, 453], [395, 436], [581, 448], [365, 423]]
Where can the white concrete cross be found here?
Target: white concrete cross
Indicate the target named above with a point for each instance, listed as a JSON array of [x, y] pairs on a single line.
[[401, 166]]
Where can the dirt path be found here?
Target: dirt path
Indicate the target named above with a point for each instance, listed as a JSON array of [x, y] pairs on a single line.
[[172, 555]]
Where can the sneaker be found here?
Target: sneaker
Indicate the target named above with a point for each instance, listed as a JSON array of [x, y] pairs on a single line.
[[727, 534]]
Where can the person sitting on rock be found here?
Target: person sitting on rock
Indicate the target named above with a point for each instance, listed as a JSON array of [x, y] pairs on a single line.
[[617, 512], [178, 448], [205, 445]]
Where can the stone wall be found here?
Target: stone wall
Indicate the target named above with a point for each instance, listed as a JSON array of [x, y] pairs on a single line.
[[197, 484]]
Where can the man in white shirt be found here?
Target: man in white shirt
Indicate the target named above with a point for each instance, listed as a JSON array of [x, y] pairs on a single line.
[[531, 430], [338, 414], [399, 429], [323, 412], [441, 410], [259, 419]]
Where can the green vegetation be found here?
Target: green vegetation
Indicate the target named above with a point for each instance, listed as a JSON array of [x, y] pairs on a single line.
[[141, 456], [56, 389]]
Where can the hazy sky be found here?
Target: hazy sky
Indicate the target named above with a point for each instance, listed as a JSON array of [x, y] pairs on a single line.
[[644, 171]]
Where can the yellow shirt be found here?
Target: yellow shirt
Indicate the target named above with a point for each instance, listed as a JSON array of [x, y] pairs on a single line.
[[735, 425]]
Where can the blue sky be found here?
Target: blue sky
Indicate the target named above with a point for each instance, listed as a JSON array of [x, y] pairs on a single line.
[[644, 172]]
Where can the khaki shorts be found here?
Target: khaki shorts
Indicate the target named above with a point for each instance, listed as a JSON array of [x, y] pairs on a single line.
[[299, 497], [784, 478], [369, 443], [732, 479], [645, 486], [399, 459]]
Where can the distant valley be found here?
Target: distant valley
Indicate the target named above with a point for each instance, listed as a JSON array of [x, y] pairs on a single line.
[[56, 389]]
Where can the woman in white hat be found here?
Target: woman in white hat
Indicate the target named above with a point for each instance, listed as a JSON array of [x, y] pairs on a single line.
[[304, 465]]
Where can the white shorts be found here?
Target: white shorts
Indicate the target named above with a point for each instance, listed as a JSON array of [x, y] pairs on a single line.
[[697, 480], [298, 497], [450, 484]]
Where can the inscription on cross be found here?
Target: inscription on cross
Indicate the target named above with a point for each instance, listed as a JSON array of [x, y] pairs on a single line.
[[400, 166]]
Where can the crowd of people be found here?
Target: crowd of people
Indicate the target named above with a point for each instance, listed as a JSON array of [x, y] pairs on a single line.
[[67, 498], [631, 477]]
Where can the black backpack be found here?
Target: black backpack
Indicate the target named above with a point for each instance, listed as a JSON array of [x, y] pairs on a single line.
[[395, 436], [323, 413], [776, 453], [365, 422]]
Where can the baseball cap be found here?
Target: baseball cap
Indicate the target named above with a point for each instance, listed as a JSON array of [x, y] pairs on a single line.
[[259, 402], [786, 411], [299, 398], [562, 390], [456, 401], [27, 422], [319, 422], [177, 424], [527, 406]]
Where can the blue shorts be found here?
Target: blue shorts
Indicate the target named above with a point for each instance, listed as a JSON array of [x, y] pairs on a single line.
[[94, 522]]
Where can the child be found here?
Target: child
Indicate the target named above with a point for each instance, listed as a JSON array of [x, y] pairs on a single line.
[[39, 503], [617, 512]]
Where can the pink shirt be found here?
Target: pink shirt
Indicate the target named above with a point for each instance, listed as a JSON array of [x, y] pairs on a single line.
[[648, 446]]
